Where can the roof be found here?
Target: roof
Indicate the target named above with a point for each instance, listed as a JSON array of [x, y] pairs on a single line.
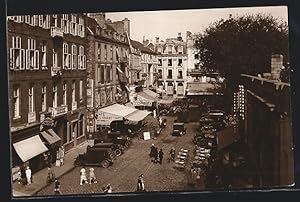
[[151, 93], [119, 110], [142, 47], [137, 116]]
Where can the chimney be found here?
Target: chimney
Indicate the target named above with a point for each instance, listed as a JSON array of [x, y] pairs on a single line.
[[179, 38], [157, 39], [126, 24], [276, 64]]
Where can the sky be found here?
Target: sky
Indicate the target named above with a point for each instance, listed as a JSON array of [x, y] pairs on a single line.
[[167, 24]]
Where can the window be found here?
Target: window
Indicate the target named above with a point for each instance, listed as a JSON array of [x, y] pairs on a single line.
[[108, 74], [81, 58], [65, 23], [74, 57], [81, 90], [105, 52], [169, 62], [43, 98], [98, 47], [31, 99], [54, 59], [179, 74], [159, 62], [111, 53], [170, 49], [54, 96], [169, 74], [67, 56], [81, 27], [46, 22], [17, 55], [102, 74], [55, 20], [180, 62], [180, 49], [41, 20], [16, 103], [64, 93], [32, 55], [44, 56], [17, 18], [73, 92], [160, 73], [73, 25]]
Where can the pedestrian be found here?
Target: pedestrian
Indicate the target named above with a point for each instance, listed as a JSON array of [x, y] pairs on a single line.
[[58, 157], [50, 176], [140, 184], [56, 187], [172, 154], [62, 155], [83, 178], [155, 154], [28, 175], [19, 176], [92, 176], [161, 156], [152, 150]]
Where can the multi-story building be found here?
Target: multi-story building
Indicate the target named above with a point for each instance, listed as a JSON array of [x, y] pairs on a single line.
[[47, 84], [106, 51], [149, 63], [172, 65]]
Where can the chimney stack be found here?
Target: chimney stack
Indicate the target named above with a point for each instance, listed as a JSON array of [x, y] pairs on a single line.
[[179, 38], [157, 39], [276, 65]]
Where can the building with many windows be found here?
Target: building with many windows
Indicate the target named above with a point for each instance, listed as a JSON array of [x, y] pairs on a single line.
[[172, 65], [106, 51], [149, 61], [47, 85]]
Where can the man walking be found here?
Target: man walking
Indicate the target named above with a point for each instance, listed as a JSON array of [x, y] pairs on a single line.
[[140, 184], [160, 155], [56, 187], [92, 176]]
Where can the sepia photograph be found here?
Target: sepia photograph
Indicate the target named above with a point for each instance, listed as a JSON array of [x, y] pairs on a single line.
[[150, 101]]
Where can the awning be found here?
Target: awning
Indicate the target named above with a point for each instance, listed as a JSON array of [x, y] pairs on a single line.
[[137, 116], [50, 136], [29, 148], [112, 113], [162, 101], [151, 93], [148, 97]]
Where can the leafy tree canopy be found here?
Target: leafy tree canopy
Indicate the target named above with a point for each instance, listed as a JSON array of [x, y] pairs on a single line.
[[242, 45]]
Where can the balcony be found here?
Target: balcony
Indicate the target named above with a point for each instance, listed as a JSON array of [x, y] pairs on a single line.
[[57, 32], [31, 117], [74, 105], [58, 111]]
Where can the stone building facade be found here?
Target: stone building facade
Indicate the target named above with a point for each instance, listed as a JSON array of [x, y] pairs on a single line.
[[47, 79], [107, 48], [172, 65]]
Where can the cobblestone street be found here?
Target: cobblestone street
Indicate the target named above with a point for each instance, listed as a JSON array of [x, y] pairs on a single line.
[[123, 174]]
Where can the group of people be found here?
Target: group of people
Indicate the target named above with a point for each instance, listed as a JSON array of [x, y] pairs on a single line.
[[84, 179], [24, 176], [140, 184], [156, 155]]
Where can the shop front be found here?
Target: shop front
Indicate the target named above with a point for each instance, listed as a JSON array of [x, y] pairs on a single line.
[[30, 152]]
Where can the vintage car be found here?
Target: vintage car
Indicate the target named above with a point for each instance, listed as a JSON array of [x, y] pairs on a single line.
[[178, 129], [97, 155]]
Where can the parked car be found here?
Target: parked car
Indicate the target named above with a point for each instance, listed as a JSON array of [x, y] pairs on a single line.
[[98, 155], [178, 129]]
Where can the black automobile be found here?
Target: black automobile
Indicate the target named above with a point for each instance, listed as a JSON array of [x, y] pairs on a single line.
[[97, 155], [178, 129]]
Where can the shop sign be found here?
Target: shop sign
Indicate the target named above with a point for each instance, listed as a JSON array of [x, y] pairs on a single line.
[[106, 118], [48, 122]]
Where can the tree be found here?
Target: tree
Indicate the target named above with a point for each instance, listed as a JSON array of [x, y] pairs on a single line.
[[242, 45]]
